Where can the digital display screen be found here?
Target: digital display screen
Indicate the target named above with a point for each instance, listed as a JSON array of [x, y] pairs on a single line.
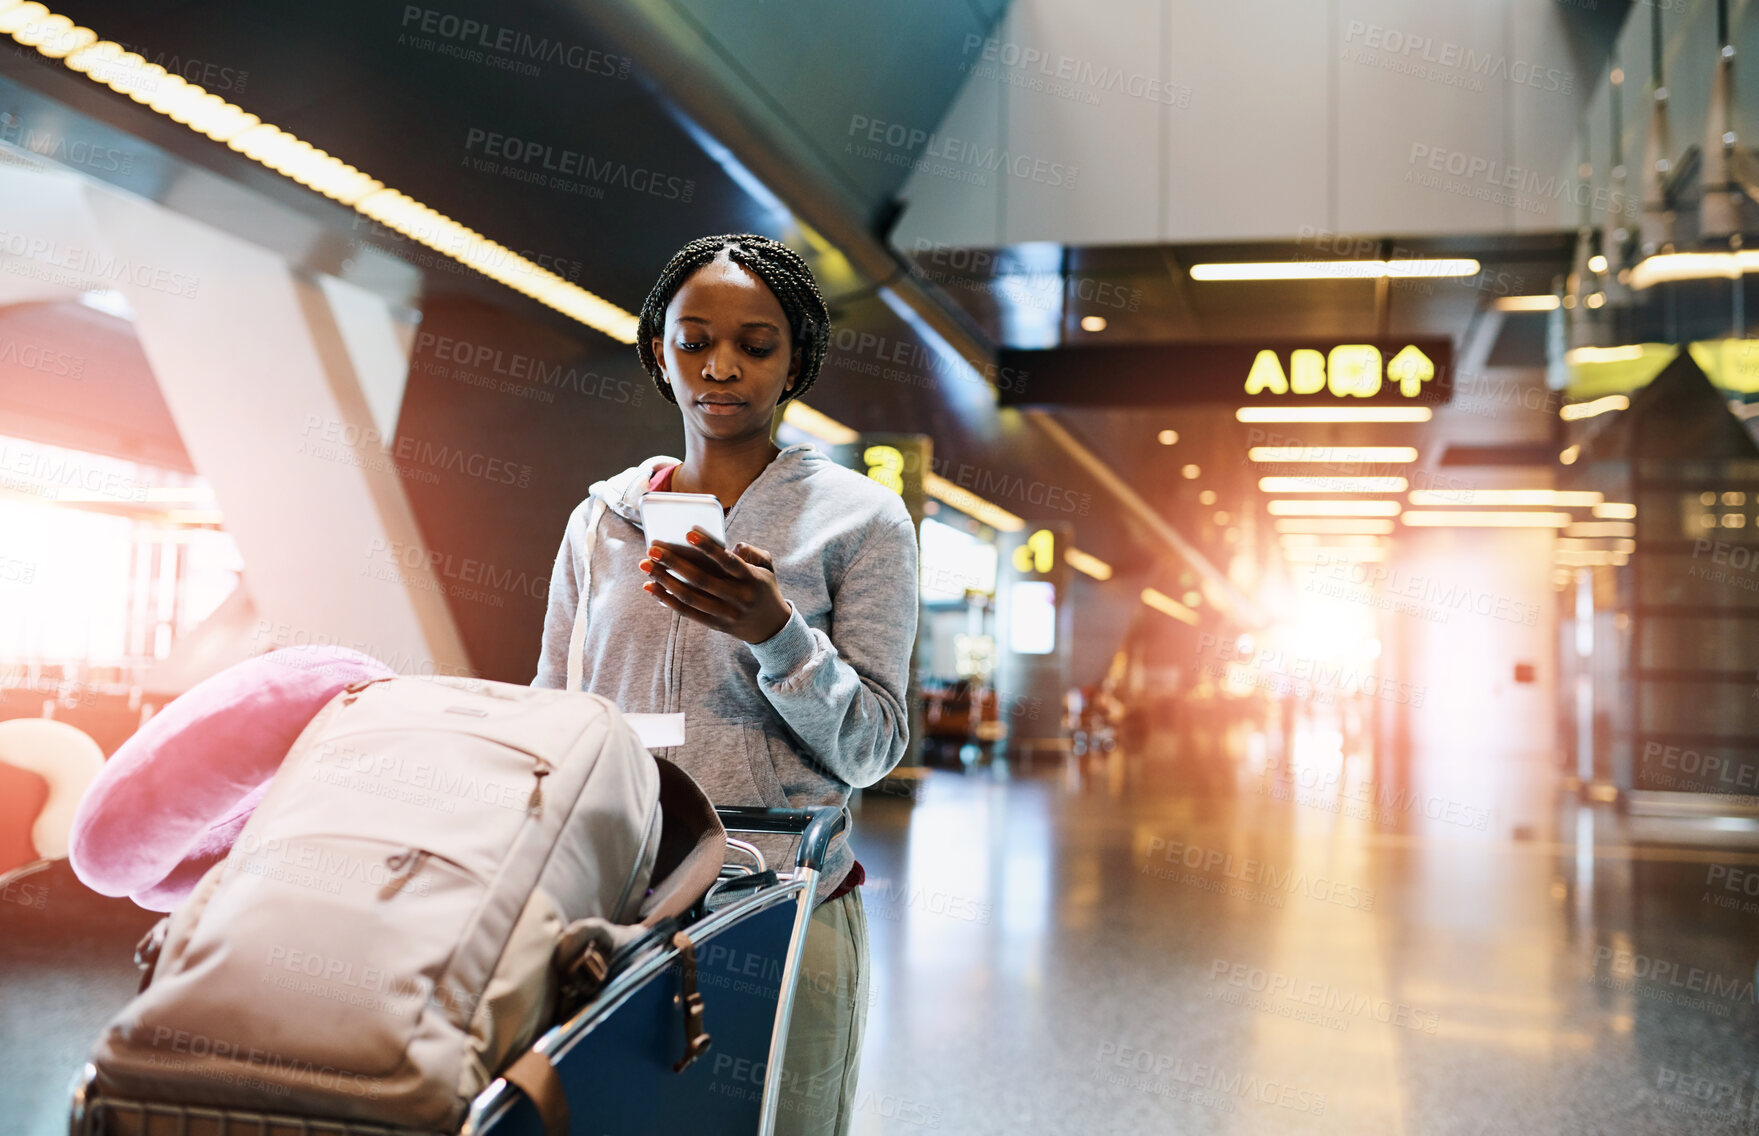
[[1032, 618]]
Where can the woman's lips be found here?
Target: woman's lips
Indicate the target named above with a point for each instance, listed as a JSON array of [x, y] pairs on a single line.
[[720, 407]]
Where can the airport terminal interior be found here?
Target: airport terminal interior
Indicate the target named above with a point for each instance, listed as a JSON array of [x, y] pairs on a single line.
[[1326, 430]]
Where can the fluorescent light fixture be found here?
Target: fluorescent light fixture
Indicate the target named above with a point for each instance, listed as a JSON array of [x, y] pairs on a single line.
[[1332, 484], [1576, 411], [1333, 414], [1333, 508], [1332, 454], [1353, 526], [1464, 519], [1601, 529], [1595, 544], [820, 426], [1334, 554], [1087, 563], [1627, 354], [126, 72], [1167, 605], [1554, 498], [969, 503], [1527, 304], [1666, 267], [1616, 511], [1334, 269], [1595, 559]]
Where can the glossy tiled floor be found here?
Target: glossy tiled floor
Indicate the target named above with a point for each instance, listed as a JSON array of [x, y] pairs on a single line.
[[1120, 951], [1295, 966]]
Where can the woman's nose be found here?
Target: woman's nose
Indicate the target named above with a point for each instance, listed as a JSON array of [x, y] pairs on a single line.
[[720, 366]]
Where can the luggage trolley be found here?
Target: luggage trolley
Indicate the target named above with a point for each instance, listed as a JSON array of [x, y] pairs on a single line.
[[618, 1058]]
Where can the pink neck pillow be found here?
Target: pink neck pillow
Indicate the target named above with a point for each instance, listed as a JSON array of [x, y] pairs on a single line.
[[173, 798]]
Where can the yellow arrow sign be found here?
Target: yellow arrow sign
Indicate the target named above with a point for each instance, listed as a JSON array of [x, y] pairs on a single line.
[[1410, 368]]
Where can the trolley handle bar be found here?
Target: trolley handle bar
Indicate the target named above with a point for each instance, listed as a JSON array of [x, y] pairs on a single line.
[[816, 827]]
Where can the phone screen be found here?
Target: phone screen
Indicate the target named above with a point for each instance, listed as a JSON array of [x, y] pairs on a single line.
[[669, 516]]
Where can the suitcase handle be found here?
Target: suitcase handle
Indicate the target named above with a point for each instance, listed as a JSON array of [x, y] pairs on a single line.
[[816, 827]]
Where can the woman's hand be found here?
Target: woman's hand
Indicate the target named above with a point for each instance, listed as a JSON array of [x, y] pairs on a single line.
[[735, 592]]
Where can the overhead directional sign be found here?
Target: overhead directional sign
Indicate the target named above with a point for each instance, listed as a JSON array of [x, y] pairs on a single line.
[[1240, 373]]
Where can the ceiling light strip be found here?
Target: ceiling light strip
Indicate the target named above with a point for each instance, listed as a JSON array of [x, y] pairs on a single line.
[[127, 73], [1549, 498], [1335, 454], [1334, 554], [1576, 411], [1351, 526], [1527, 304], [1300, 508], [1466, 519], [1167, 605], [1335, 269], [1088, 564], [1332, 484], [1333, 414]]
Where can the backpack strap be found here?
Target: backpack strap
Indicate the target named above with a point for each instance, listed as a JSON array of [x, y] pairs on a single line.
[[693, 846], [577, 640], [535, 1076]]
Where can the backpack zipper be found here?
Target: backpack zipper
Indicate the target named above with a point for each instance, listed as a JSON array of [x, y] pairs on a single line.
[[534, 805]]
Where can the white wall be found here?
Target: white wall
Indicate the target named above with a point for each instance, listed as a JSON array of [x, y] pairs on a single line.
[[1184, 121]]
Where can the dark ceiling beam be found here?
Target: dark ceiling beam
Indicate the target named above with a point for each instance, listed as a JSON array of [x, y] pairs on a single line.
[[692, 78]]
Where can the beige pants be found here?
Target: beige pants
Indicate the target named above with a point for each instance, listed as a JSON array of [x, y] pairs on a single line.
[[830, 1015]]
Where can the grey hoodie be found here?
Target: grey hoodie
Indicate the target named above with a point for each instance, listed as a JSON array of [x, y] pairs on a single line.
[[804, 716]]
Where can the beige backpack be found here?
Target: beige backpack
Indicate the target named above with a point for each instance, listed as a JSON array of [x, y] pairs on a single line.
[[439, 868]]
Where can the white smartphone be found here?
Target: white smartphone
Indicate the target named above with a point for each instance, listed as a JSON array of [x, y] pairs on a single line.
[[668, 516]]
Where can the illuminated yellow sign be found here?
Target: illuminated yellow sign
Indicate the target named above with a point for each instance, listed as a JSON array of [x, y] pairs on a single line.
[[1037, 553], [1349, 370], [885, 464]]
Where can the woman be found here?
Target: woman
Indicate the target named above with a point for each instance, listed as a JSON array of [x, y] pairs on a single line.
[[789, 653]]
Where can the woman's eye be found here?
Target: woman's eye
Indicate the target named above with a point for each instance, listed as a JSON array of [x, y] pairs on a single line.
[[761, 352], [686, 346]]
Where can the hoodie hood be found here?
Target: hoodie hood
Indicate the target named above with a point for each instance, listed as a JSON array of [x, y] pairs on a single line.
[[623, 492]]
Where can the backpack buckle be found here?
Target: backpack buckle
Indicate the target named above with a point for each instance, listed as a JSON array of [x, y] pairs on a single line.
[[696, 1039]]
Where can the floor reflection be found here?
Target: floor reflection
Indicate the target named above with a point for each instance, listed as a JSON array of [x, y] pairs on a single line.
[[1279, 944]]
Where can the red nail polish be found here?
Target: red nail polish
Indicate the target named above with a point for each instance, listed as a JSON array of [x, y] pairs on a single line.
[[692, 538], [653, 554]]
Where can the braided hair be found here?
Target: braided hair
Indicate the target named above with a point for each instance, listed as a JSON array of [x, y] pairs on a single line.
[[776, 265]]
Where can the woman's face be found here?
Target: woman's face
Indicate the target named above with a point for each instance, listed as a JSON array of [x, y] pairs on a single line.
[[727, 352]]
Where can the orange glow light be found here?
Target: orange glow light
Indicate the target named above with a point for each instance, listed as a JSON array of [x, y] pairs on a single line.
[[1333, 508], [1555, 498], [1354, 526], [1332, 453], [1332, 554], [1468, 519], [1333, 414], [1332, 484]]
